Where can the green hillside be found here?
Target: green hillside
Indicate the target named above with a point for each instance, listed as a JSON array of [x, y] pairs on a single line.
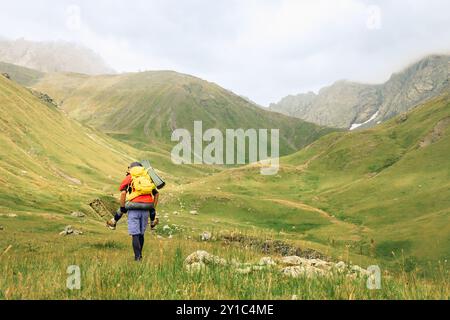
[[380, 192], [49, 161], [329, 200], [54, 162], [148, 106], [25, 76], [394, 180]]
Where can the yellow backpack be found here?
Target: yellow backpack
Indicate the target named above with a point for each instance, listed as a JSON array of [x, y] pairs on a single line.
[[141, 183]]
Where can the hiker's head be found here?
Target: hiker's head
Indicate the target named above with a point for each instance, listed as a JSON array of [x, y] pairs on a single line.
[[132, 165], [135, 164]]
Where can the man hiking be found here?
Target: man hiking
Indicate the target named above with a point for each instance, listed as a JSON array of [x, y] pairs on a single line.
[[137, 198]]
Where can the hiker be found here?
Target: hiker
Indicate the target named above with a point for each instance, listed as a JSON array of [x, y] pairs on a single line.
[[137, 198], [154, 220]]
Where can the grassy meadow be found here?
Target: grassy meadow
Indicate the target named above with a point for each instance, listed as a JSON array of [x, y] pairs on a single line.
[[35, 268], [373, 197]]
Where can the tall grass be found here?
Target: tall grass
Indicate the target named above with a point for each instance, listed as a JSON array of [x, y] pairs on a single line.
[[108, 272]]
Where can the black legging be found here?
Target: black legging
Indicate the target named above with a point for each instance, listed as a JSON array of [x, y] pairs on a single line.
[[152, 214], [138, 244]]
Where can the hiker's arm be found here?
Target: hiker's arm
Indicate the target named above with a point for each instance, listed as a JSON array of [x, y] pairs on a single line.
[[156, 199], [123, 196]]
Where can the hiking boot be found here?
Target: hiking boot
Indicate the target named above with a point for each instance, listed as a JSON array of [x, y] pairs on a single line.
[[154, 223], [111, 224]]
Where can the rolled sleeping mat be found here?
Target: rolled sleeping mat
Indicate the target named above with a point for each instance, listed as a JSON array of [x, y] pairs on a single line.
[[157, 180], [139, 206]]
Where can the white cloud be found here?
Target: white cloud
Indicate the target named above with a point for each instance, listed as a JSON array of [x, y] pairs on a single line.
[[373, 17], [261, 49], [73, 19]]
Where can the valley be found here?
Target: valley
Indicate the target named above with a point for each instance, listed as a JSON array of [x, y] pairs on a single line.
[[378, 196]]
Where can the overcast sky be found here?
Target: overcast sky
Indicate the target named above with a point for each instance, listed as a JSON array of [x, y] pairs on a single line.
[[263, 50]]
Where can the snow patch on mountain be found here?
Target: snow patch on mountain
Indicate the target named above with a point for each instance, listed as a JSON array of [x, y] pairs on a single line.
[[357, 125]]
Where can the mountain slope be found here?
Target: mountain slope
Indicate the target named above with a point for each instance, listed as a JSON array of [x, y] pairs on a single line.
[[148, 106], [395, 180], [49, 162], [352, 105], [52, 56], [389, 184], [22, 75]]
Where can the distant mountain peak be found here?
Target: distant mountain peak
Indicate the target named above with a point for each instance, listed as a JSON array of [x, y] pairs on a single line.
[[53, 56], [351, 105]]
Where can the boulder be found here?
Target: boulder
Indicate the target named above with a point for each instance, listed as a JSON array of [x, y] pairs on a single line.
[[303, 271], [321, 264], [195, 267], [193, 212], [259, 268], [78, 214], [293, 272], [204, 257], [340, 266], [69, 230], [205, 236], [359, 271], [244, 270], [402, 118], [294, 261], [266, 261]]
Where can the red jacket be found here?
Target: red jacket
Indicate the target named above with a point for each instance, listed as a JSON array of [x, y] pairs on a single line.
[[126, 186]]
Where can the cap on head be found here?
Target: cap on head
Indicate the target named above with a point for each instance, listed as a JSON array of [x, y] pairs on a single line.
[[135, 164]]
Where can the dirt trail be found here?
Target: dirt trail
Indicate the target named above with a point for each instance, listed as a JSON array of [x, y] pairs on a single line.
[[331, 218], [306, 207]]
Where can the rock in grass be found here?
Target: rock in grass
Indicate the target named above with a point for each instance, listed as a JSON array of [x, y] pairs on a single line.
[[293, 272], [320, 264], [293, 261], [360, 272], [340, 266], [68, 230], [196, 267], [197, 256], [205, 236], [204, 257], [193, 212], [266, 261], [260, 268], [244, 270], [78, 214], [303, 271], [1, 228]]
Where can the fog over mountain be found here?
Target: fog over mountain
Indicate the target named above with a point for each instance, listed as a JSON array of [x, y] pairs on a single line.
[[54, 56], [352, 105], [264, 50]]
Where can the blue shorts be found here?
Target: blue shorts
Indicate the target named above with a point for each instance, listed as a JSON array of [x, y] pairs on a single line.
[[137, 221]]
